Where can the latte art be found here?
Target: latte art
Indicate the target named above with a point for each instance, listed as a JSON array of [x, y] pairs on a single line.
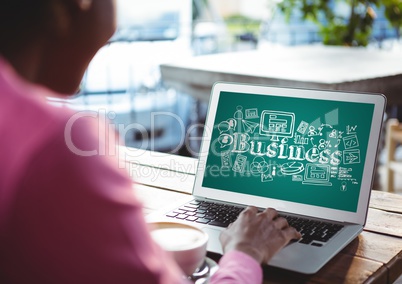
[[172, 239], [186, 244]]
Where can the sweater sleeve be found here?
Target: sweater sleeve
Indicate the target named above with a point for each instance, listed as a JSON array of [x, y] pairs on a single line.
[[236, 267]]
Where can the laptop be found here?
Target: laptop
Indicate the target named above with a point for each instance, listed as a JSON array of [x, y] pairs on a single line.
[[310, 154]]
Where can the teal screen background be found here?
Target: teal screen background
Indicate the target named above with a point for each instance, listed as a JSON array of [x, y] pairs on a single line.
[[300, 150]]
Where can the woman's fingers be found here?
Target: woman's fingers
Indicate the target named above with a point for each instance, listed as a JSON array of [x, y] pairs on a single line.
[[281, 223]]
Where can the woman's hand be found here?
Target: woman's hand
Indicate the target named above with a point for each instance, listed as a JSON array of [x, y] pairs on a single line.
[[258, 234]]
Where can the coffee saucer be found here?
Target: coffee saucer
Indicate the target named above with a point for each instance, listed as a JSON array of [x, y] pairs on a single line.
[[204, 272]]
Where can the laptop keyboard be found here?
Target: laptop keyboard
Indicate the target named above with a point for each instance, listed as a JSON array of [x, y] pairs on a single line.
[[206, 212], [313, 232]]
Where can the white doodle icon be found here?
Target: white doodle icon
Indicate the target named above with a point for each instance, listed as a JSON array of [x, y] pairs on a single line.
[[259, 166], [251, 113], [225, 140], [227, 125], [266, 177], [317, 174], [292, 168], [351, 141], [343, 186], [249, 126], [240, 163], [351, 156], [297, 178], [351, 129], [277, 124], [302, 127], [301, 140], [312, 131], [238, 116], [226, 160]]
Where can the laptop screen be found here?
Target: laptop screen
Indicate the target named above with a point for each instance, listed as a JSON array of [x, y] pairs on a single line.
[[302, 150]]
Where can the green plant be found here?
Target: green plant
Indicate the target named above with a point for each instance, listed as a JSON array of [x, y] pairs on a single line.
[[239, 24], [352, 29]]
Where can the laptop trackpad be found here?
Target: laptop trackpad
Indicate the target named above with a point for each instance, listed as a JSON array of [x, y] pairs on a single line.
[[214, 245]]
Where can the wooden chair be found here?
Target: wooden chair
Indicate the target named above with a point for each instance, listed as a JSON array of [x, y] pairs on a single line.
[[393, 138]]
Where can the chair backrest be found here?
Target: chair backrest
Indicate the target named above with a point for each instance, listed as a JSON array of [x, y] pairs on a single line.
[[393, 138]]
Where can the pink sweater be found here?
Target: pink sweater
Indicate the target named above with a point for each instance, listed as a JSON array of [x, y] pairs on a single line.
[[68, 218]]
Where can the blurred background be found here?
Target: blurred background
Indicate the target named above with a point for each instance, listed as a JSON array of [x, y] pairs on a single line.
[[124, 80]]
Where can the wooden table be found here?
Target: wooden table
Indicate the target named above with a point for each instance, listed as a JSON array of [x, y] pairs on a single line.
[[322, 67], [375, 256]]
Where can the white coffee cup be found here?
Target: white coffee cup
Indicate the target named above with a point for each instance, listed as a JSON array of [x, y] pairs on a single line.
[[187, 244]]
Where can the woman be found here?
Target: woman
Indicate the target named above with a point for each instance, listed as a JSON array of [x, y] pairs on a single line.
[[68, 218]]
